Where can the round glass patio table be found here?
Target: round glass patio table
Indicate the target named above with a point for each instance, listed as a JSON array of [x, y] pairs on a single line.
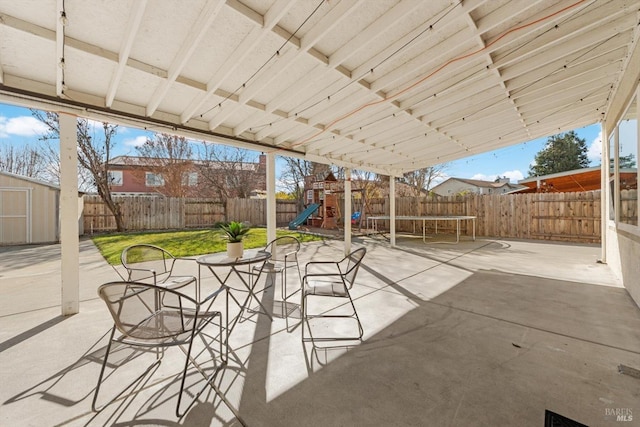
[[236, 268]]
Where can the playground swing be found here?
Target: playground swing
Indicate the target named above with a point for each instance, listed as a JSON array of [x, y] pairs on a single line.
[[323, 209], [356, 216]]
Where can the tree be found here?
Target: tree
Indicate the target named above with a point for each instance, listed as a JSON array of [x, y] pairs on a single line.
[[626, 162], [171, 158], [26, 161], [422, 179], [283, 195], [230, 172], [563, 152], [93, 156], [293, 175]]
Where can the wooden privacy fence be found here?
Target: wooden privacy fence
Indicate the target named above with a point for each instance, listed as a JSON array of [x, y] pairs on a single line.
[[164, 213], [152, 213], [573, 217]]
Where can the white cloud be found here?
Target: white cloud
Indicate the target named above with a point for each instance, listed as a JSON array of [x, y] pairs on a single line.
[[629, 138], [21, 126], [594, 152], [514, 176], [483, 177], [135, 142], [94, 124], [627, 141]]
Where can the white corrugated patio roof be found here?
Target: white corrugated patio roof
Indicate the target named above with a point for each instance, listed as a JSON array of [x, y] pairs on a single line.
[[383, 85]]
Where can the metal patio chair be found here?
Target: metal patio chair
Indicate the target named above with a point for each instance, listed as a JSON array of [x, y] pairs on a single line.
[[284, 256], [153, 264], [144, 320], [331, 279]]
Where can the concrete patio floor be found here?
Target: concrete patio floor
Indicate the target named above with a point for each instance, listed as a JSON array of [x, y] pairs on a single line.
[[484, 333]]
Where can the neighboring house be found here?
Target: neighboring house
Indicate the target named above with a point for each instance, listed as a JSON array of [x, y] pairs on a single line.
[[585, 179], [139, 175], [453, 186], [30, 210]]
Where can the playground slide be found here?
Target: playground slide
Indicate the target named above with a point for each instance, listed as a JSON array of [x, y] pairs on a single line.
[[293, 225]]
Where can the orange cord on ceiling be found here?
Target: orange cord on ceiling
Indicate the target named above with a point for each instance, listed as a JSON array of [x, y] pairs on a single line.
[[437, 70]]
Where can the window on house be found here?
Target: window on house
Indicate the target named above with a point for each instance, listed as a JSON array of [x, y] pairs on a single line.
[[115, 178], [153, 179], [190, 179]]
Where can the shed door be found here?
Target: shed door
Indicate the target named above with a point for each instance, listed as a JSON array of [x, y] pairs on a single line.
[[15, 215]]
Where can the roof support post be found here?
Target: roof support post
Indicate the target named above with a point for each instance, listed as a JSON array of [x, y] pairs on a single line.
[[69, 215], [271, 196], [392, 209], [604, 191], [616, 175], [347, 211], [637, 140]]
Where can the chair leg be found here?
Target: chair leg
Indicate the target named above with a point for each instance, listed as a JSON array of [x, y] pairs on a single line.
[[94, 406], [303, 314], [355, 314], [285, 296], [306, 316], [209, 379], [283, 293]]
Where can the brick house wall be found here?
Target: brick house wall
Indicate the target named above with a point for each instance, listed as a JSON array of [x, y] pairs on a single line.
[[134, 175]]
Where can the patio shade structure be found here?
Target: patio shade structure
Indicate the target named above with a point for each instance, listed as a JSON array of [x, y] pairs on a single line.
[[385, 86]]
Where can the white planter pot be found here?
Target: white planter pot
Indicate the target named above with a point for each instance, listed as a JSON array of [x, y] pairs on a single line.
[[234, 250]]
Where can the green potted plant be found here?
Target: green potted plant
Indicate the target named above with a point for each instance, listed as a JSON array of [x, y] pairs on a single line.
[[235, 231]]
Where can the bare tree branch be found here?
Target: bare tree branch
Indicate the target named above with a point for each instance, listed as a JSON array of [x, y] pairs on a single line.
[[171, 157], [93, 156], [423, 179], [230, 172]]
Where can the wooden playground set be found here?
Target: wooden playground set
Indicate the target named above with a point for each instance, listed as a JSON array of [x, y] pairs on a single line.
[[322, 204]]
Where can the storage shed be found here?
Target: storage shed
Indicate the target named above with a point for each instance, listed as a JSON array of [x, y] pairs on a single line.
[[29, 210]]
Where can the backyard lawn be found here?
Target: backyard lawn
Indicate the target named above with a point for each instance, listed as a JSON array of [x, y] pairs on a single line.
[[185, 243]]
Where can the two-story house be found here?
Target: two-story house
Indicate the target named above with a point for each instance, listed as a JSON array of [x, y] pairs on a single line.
[[187, 178]]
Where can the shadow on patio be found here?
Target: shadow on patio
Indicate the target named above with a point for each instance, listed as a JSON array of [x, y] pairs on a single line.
[[480, 333]]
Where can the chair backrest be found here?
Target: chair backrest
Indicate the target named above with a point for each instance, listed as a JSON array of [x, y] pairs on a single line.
[[142, 260], [353, 260], [281, 247], [147, 312]]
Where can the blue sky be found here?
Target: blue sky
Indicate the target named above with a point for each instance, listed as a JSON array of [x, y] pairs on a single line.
[[514, 161], [18, 126]]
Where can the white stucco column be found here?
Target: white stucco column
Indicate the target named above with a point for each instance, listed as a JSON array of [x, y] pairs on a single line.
[[271, 196], [604, 191], [70, 242], [616, 175], [637, 140], [347, 211], [392, 210]]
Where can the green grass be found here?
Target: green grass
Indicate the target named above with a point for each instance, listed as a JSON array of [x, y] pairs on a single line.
[[184, 243]]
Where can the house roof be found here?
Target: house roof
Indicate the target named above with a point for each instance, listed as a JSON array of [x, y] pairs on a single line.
[[485, 184], [384, 86], [35, 181], [139, 162], [585, 179], [479, 183], [29, 179]]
